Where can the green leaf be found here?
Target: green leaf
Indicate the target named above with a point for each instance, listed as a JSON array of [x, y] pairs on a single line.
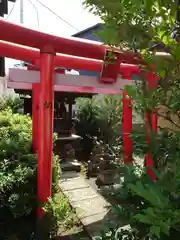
[[155, 231], [143, 218]]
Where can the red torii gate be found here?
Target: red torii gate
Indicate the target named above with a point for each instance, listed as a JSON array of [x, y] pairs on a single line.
[[79, 55]]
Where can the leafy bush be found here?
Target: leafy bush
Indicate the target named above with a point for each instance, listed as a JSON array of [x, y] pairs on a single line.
[[139, 138], [62, 214], [149, 209], [18, 202], [88, 123], [18, 172], [99, 117], [110, 117], [14, 102]]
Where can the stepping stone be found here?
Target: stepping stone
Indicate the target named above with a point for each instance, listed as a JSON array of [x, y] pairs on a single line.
[[71, 166], [81, 194], [74, 183], [69, 175], [90, 207]]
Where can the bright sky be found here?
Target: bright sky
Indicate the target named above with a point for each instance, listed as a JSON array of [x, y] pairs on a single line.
[[70, 10]]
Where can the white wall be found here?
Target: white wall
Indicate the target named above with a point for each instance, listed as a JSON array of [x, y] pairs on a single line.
[[3, 87]]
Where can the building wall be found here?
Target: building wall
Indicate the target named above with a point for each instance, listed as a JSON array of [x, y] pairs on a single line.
[[4, 91]]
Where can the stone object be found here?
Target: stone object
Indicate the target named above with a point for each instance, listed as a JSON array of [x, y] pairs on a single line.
[[96, 154], [107, 169], [65, 143], [102, 164]]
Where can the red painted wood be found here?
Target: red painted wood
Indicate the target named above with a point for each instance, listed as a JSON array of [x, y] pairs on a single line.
[[35, 116], [20, 35], [110, 72], [22, 53], [35, 113], [72, 46], [45, 139], [127, 129]]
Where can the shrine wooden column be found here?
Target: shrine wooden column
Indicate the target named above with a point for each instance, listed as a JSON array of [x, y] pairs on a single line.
[[151, 122], [127, 129], [45, 138], [35, 116], [35, 111]]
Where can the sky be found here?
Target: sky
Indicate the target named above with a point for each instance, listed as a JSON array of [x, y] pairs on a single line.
[[70, 10]]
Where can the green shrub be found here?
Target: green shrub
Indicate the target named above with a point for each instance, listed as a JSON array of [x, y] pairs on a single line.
[[110, 117], [18, 173], [99, 117], [87, 125], [18, 165], [139, 137], [62, 215], [149, 208], [14, 102]]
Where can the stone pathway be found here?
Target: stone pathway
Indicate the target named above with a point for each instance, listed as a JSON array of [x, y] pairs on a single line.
[[91, 208]]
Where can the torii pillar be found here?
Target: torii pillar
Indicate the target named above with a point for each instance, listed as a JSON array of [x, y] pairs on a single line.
[[45, 131], [127, 129]]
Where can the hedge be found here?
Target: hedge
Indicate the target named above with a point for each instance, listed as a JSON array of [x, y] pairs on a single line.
[[18, 166]]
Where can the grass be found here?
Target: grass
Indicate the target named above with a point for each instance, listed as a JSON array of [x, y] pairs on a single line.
[[65, 218]]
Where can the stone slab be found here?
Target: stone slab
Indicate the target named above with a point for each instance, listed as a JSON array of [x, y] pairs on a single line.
[[81, 194], [69, 175], [71, 166], [76, 183], [91, 206]]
